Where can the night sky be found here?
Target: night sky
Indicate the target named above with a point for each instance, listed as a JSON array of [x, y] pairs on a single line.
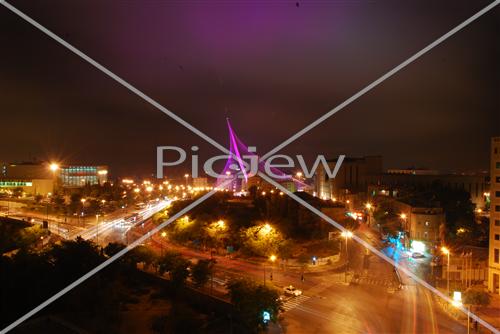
[[272, 67]]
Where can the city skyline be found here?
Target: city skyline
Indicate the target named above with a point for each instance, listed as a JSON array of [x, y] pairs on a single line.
[[362, 170], [74, 113]]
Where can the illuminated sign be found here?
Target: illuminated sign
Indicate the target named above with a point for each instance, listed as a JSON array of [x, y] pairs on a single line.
[[10, 184], [417, 247]]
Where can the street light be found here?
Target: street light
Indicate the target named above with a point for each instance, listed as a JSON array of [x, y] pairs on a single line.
[[187, 178], [347, 235], [368, 207], [97, 228], [163, 235], [53, 167], [266, 229], [221, 224], [272, 258], [446, 251]]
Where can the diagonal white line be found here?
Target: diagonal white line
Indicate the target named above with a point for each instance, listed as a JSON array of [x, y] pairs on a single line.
[[376, 251], [223, 149], [382, 78], [108, 261], [113, 75]]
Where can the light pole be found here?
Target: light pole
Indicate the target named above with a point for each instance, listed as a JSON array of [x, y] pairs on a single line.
[[187, 178], [53, 168], [97, 228], [272, 258], [368, 207], [346, 234], [83, 200], [163, 235], [405, 227], [446, 251]]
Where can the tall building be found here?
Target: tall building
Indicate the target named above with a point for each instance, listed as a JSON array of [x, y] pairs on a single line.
[[353, 176], [494, 245]]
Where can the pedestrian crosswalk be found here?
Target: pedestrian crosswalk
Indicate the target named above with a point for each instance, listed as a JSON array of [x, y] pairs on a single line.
[[376, 281], [293, 302]]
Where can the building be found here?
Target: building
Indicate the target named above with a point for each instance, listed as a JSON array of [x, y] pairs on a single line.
[[200, 182], [32, 177], [475, 184], [353, 176], [413, 171], [74, 176], [468, 265], [494, 244], [421, 220]]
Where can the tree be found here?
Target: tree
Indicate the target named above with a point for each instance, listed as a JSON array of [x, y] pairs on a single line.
[[174, 264], [141, 254], [476, 296], [262, 239], [113, 248], [71, 259], [201, 272], [251, 300], [285, 249]]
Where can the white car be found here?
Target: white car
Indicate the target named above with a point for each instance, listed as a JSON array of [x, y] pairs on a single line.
[[292, 291]]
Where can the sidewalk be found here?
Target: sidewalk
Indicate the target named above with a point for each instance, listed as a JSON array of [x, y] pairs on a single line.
[[491, 313]]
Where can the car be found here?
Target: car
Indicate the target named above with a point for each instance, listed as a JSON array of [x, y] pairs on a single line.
[[417, 255], [292, 291]]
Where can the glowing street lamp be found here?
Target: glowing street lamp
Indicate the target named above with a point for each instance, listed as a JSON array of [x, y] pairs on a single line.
[[186, 176], [221, 224], [347, 235], [266, 229], [446, 252], [272, 258], [368, 207], [53, 167]]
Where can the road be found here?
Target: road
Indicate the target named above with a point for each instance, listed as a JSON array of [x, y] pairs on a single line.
[[110, 228], [328, 305], [370, 306]]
